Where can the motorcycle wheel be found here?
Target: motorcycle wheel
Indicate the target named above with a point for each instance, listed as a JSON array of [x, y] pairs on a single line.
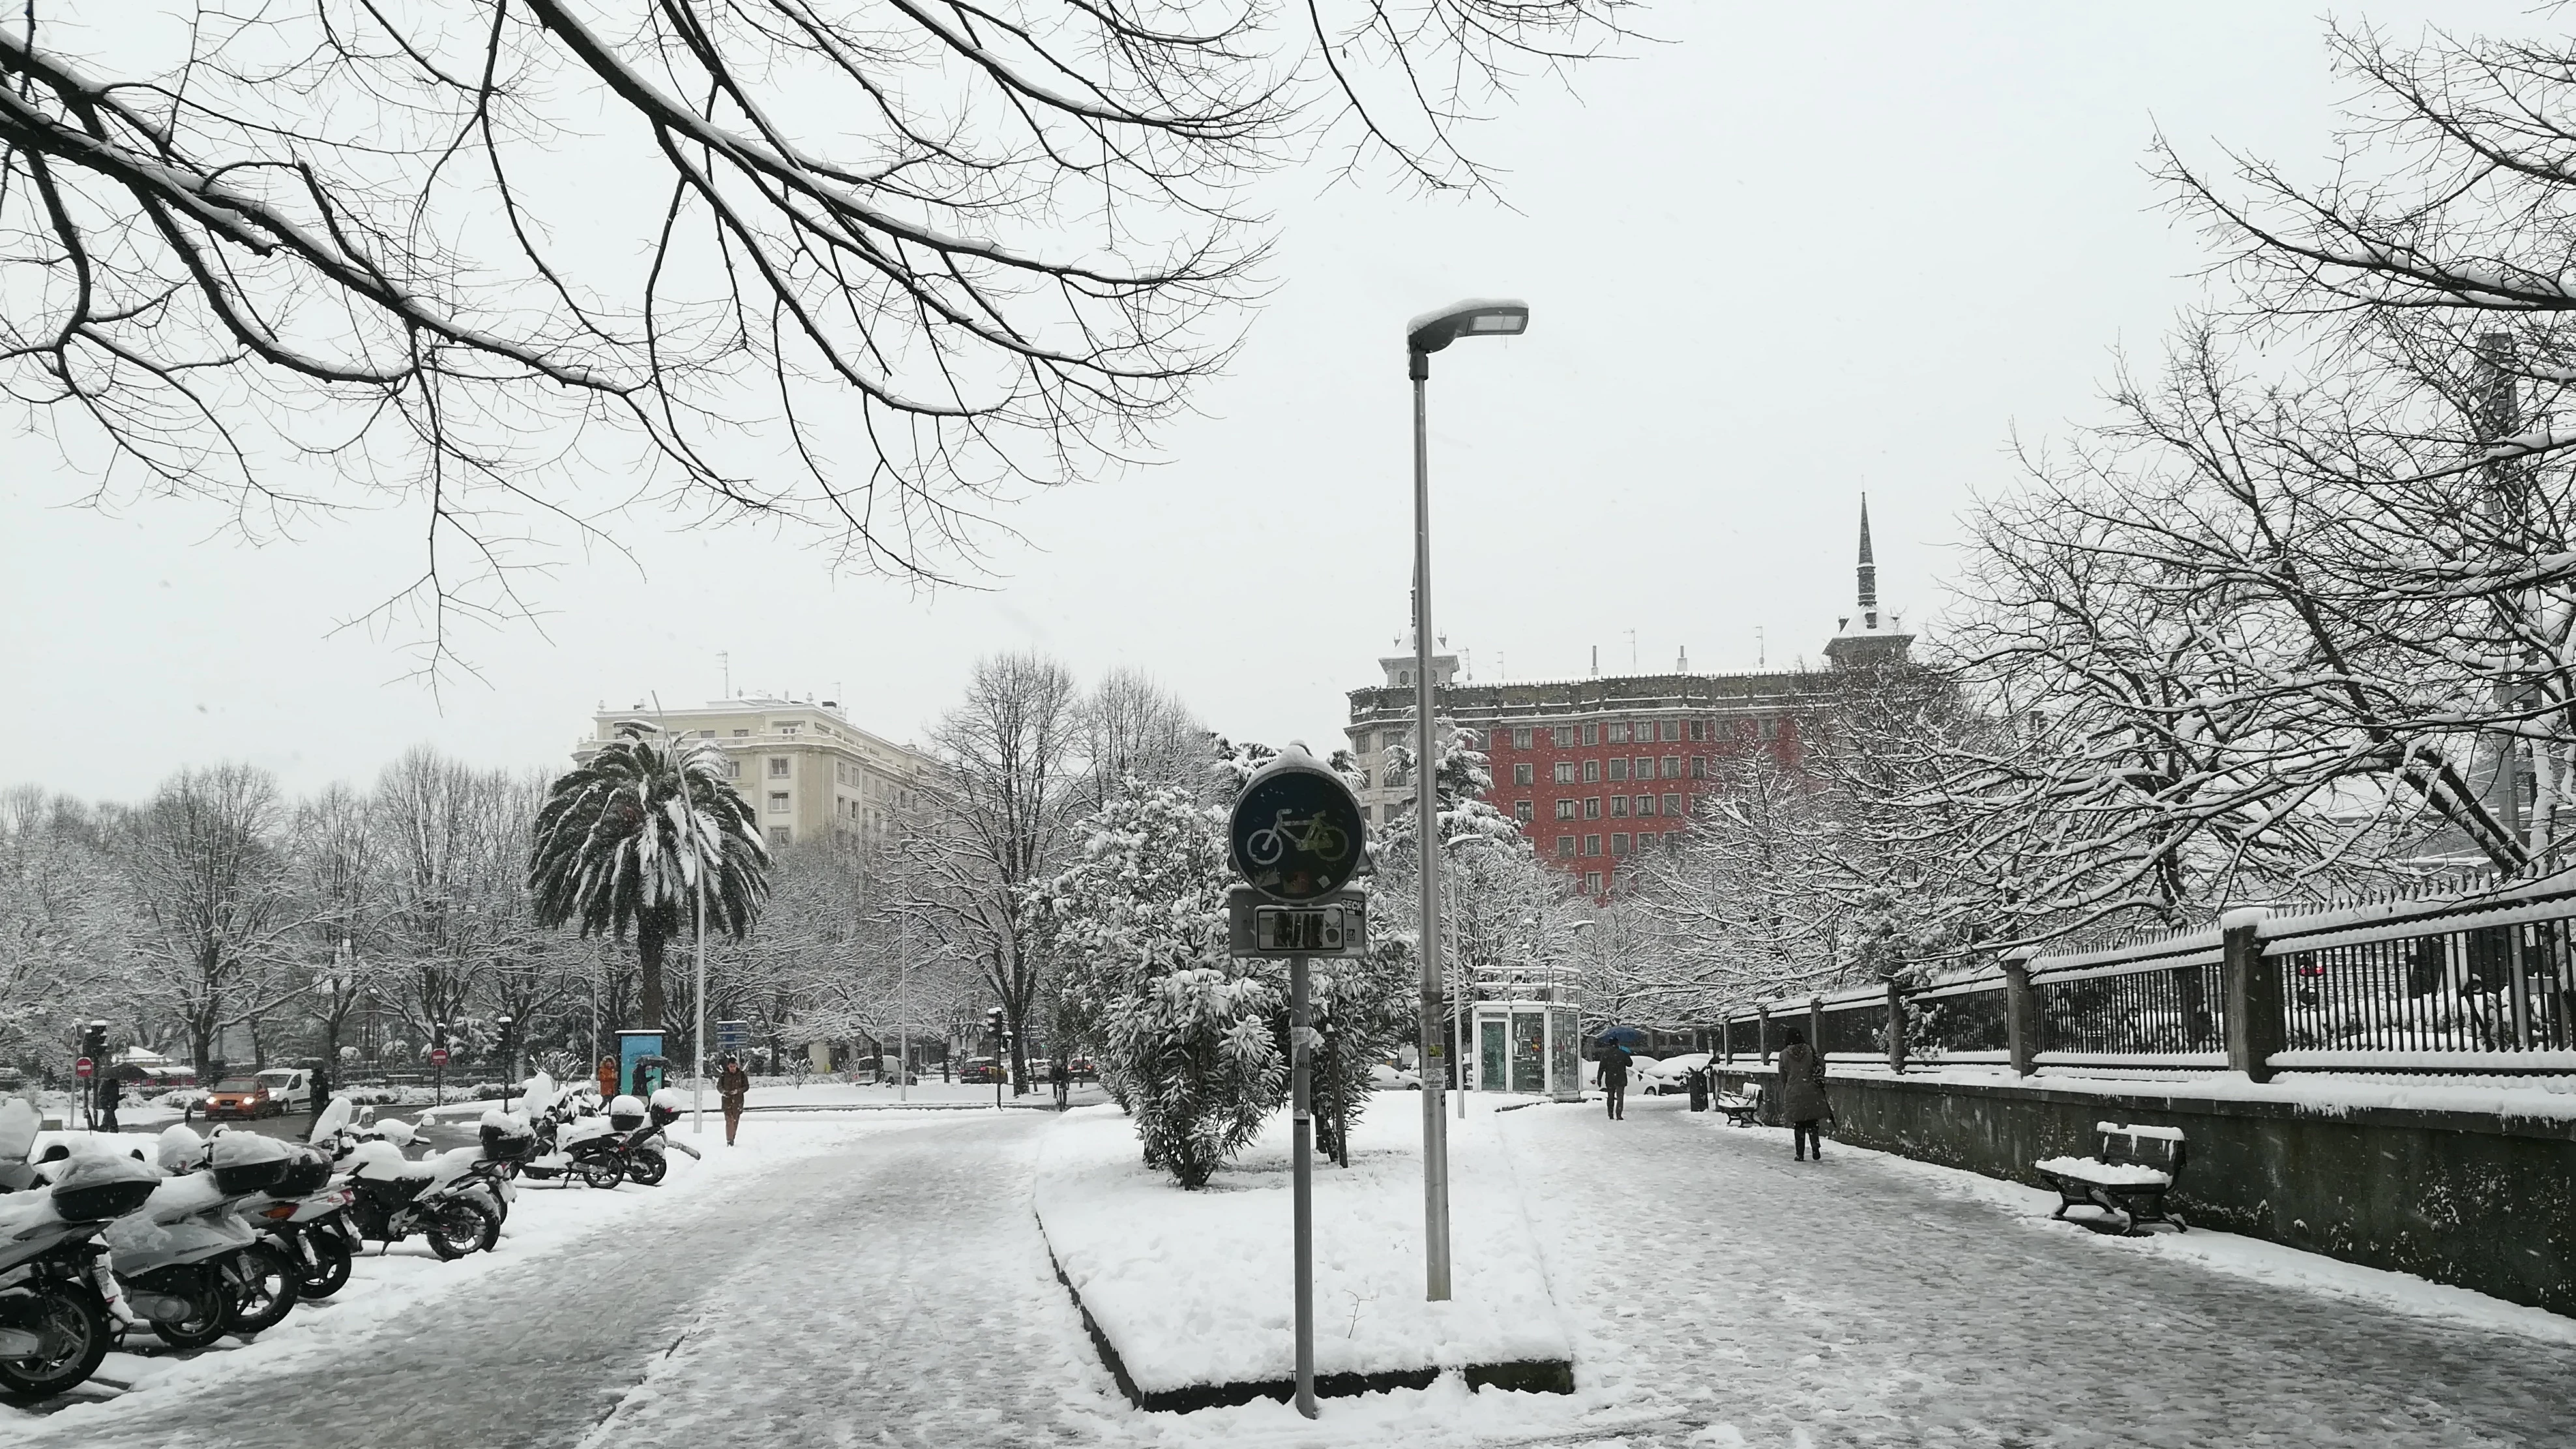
[[459, 1228], [329, 1271], [600, 1171], [72, 1333], [209, 1310], [265, 1286], [648, 1168]]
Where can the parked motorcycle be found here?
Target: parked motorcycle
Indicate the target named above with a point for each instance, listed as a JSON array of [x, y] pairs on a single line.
[[570, 1144], [189, 1265], [440, 1199], [58, 1301], [306, 1220], [645, 1145]]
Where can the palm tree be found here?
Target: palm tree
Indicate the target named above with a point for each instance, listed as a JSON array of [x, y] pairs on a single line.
[[625, 838]]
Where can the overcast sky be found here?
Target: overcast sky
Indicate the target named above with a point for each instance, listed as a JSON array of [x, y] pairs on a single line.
[[1791, 254]]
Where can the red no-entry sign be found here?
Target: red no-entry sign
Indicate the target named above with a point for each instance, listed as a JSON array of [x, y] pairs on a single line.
[[438, 1056], [83, 1067]]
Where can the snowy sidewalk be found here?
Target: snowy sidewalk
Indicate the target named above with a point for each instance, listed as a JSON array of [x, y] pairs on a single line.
[[1870, 1300]]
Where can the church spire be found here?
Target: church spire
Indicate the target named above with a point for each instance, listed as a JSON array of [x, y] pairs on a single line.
[[1868, 571]]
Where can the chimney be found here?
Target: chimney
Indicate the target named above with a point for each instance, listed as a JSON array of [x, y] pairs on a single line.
[[1681, 661], [1868, 572], [1596, 661]]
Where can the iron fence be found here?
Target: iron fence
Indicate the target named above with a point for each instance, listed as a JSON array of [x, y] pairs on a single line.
[[2159, 1009], [1970, 1021], [2491, 988], [1852, 1029]]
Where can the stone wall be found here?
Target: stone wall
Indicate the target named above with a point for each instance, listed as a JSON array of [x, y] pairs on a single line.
[[2482, 1201]]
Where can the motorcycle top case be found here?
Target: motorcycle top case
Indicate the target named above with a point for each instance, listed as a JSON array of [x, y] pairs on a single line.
[[247, 1162], [508, 1141], [306, 1173], [93, 1189]]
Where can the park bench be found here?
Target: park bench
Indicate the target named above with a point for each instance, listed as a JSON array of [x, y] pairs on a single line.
[[2127, 1178], [1739, 1110]]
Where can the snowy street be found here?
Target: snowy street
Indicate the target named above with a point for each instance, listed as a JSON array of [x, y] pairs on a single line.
[[885, 1284]]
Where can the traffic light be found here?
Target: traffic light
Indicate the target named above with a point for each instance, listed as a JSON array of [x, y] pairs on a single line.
[[993, 1022], [93, 1040]]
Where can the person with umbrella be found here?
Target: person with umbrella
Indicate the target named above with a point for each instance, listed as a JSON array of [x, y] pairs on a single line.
[[1613, 1069]]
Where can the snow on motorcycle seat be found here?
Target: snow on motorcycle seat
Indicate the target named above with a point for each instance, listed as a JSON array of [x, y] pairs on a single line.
[[307, 1172], [246, 1162], [507, 1137], [93, 1188], [626, 1114]]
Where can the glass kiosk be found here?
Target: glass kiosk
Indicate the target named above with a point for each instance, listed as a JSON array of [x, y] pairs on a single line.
[[1527, 1046]]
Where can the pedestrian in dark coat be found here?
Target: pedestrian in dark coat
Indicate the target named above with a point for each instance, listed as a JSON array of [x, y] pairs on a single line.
[[1802, 1094], [733, 1084], [1614, 1080], [109, 1094]]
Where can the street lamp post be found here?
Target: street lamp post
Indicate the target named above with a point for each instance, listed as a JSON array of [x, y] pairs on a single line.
[[509, 1061], [698, 1028], [1424, 336]]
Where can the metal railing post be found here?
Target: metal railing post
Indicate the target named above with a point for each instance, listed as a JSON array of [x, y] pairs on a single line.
[[2256, 1023], [2021, 1011], [1895, 1027]]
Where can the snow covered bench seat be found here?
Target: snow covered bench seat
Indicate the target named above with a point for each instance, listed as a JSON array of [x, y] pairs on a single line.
[[1739, 1110], [2127, 1178]]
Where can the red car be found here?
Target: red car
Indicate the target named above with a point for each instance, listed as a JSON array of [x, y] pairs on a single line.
[[240, 1097]]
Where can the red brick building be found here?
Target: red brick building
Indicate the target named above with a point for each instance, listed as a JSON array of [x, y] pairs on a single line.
[[1600, 771]]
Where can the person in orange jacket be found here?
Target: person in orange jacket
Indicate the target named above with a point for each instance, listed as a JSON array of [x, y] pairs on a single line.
[[607, 1079]]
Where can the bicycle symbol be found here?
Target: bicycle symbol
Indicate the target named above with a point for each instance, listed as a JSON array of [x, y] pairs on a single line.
[[1314, 835]]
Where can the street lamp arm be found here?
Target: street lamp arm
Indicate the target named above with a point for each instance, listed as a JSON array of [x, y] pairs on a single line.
[[1475, 317]]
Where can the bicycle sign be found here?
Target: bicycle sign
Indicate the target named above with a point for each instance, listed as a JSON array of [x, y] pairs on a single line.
[[1296, 831]]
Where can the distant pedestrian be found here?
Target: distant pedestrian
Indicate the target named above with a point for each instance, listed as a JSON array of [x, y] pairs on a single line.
[[321, 1092], [1698, 1080], [1802, 1094], [607, 1078], [1063, 1076], [732, 1085], [1614, 1080], [109, 1094]]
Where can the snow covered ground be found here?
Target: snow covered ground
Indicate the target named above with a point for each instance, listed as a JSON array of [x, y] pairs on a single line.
[[878, 1279], [1194, 1288]]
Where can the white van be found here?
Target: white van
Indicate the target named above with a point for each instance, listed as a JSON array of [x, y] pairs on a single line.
[[290, 1089]]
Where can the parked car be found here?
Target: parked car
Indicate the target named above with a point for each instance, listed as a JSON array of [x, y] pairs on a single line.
[[290, 1089], [1394, 1079], [241, 1097], [980, 1069], [1669, 1076]]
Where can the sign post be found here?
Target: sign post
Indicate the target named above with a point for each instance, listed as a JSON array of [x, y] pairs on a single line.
[[1296, 836], [438, 1064]]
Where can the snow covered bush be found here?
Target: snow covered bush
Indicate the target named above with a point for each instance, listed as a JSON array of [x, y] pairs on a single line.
[[1181, 1030]]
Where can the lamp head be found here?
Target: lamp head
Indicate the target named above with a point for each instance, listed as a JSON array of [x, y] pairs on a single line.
[[1475, 317]]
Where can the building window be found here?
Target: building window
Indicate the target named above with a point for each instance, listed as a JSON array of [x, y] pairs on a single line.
[[1699, 729], [706, 734], [1645, 767], [1618, 734], [1672, 767], [1524, 774], [1619, 844], [1565, 772], [777, 802], [788, 727], [1592, 808], [1565, 847], [777, 768], [1672, 804], [1565, 737], [1618, 807], [1592, 845], [1405, 678], [1522, 737], [1564, 809], [1525, 812], [1672, 729], [1619, 768], [1699, 767], [733, 769], [1645, 804], [779, 835], [1368, 815], [742, 734], [1592, 734], [1592, 882], [1768, 729], [1592, 772]]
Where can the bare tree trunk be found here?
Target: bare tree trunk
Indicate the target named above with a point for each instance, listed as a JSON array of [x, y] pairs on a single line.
[[650, 1008]]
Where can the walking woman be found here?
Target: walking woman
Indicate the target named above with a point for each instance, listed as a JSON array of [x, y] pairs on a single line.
[[732, 1085], [1802, 1093]]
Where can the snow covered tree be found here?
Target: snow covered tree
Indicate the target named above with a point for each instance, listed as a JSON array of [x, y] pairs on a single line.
[[214, 900]]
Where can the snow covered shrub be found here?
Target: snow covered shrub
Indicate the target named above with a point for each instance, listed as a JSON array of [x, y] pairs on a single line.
[[1202, 1067], [1180, 1030]]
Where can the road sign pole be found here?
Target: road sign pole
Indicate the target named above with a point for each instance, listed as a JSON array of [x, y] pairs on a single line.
[[1433, 1025], [1302, 1194]]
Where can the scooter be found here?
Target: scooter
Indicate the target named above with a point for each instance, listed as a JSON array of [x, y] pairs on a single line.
[[59, 1302], [188, 1263], [573, 1146]]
